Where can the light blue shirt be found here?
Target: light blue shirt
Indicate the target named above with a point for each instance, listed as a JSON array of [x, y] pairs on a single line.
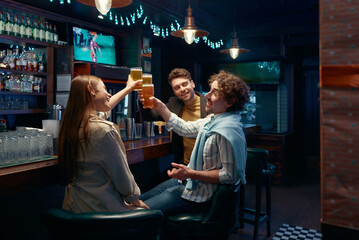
[[217, 154]]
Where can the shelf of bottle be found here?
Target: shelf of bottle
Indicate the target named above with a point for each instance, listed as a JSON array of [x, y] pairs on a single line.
[[22, 72], [8, 39], [22, 111], [23, 93]]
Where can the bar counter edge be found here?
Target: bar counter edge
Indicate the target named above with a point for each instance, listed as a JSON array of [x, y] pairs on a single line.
[[33, 175]]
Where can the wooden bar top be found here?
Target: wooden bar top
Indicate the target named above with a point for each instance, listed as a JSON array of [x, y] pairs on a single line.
[[37, 174]]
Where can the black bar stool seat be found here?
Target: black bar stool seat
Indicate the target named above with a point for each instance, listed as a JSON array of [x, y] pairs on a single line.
[[213, 223], [65, 225]]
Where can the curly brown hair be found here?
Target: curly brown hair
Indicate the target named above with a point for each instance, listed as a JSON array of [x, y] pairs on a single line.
[[231, 88], [178, 73]]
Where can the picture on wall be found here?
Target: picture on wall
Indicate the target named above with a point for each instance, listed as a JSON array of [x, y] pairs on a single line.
[[146, 66]]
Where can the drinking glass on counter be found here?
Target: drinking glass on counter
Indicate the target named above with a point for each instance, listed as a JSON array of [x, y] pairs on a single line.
[[22, 146], [136, 74], [148, 90], [149, 129], [138, 130]]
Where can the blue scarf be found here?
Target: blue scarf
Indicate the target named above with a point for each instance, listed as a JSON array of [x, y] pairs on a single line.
[[229, 126]]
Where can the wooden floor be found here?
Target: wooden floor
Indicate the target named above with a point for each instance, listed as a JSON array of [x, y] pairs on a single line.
[[297, 205]]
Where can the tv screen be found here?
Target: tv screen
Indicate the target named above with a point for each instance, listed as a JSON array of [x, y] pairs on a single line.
[[91, 46]]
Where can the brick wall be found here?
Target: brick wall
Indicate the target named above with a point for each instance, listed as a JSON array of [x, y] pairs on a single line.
[[339, 95]]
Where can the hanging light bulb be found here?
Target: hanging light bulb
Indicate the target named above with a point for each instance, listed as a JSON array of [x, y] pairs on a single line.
[[234, 50], [103, 6], [189, 35], [189, 31]]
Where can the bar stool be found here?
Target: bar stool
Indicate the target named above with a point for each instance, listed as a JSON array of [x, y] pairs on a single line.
[[214, 223], [138, 224], [259, 171]]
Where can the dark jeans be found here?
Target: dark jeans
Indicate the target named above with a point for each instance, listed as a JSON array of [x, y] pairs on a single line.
[[167, 198]]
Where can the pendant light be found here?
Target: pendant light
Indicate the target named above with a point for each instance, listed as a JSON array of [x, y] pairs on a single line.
[[103, 6], [234, 50], [189, 32]]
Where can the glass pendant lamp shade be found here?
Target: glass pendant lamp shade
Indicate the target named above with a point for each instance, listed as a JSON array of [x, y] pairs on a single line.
[[234, 50], [189, 32], [103, 6], [189, 35]]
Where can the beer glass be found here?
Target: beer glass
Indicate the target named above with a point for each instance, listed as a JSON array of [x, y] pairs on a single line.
[[148, 91], [136, 74], [146, 78]]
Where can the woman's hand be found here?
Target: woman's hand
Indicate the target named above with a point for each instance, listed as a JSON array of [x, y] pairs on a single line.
[[139, 203], [131, 83]]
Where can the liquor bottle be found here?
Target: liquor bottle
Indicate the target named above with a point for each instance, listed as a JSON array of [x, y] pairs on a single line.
[[11, 60], [2, 58], [56, 36], [35, 60], [16, 26], [8, 25], [29, 66], [11, 83], [22, 27], [22, 60], [41, 64], [5, 62], [51, 34], [7, 83], [17, 84], [28, 28], [2, 84], [22, 83], [42, 31], [16, 58], [41, 84], [47, 32], [36, 86], [36, 33], [2, 23], [29, 83]]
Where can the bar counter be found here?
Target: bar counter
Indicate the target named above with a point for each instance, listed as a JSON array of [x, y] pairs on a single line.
[[38, 174]]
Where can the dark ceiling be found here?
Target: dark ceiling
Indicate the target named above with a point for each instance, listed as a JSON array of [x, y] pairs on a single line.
[[258, 23], [253, 18]]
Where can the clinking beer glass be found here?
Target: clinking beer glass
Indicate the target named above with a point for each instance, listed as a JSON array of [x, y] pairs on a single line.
[[136, 74], [148, 90], [146, 78]]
